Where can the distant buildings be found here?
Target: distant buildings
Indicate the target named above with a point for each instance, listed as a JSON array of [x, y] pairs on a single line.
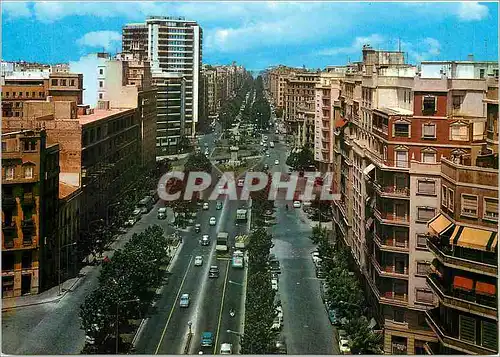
[[414, 153]]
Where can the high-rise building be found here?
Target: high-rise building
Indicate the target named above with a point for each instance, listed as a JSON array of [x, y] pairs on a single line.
[[174, 45]]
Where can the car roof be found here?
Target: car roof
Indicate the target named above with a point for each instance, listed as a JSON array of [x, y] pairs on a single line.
[[207, 334], [162, 209], [198, 257], [214, 267], [184, 295], [226, 345]]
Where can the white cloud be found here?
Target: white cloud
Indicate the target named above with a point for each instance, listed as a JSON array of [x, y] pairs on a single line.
[[16, 9], [472, 11], [428, 48], [100, 39], [374, 40]]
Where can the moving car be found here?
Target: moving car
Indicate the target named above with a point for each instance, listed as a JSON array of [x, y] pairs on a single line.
[[207, 339], [205, 240], [226, 349], [205, 205], [296, 204], [162, 213], [276, 162], [213, 272], [241, 182], [197, 228], [134, 217], [184, 301], [218, 205], [267, 154], [198, 261], [266, 167], [212, 221]]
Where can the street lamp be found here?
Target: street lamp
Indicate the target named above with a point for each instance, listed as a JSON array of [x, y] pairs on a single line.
[[117, 314], [59, 262]]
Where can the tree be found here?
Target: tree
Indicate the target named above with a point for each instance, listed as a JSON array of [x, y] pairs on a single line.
[[363, 339], [197, 162], [302, 160]]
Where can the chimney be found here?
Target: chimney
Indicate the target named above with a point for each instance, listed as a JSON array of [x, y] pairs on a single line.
[[470, 57]]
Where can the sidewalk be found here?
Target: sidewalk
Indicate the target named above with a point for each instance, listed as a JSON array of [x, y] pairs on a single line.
[[52, 295]]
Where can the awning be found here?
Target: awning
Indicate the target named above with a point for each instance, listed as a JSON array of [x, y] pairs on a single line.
[[485, 288], [440, 224], [461, 282], [474, 238], [340, 123], [368, 169]]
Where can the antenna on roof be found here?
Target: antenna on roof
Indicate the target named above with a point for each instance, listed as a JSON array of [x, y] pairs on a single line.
[[399, 44]]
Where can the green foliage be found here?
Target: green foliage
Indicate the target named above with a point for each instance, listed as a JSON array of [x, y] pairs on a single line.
[[302, 160], [198, 162], [133, 273], [363, 339]]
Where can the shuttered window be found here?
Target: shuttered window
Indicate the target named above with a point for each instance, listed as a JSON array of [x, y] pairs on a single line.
[[425, 213], [451, 199], [469, 205], [424, 295], [459, 132], [401, 159], [444, 196], [429, 131], [427, 187], [423, 268], [421, 241], [490, 208], [467, 329], [489, 335]]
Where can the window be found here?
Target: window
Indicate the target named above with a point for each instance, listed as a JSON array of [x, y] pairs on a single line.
[[425, 213], [457, 101], [100, 95], [63, 82], [72, 82], [478, 130], [481, 73], [459, 132], [33, 94], [429, 131], [467, 328], [9, 172], [398, 315], [401, 130], [423, 268], [424, 295], [40, 94], [489, 335], [451, 199], [490, 210], [101, 71], [4, 146], [444, 199], [29, 145], [20, 94], [54, 82], [421, 241], [101, 84], [469, 205], [425, 187], [429, 105], [27, 94], [429, 157], [28, 171], [401, 158]]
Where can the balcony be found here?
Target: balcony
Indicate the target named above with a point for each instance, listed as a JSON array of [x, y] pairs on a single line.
[[8, 200], [392, 191], [9, 229], [390, 271], [443, 253], [390, 244], [433, 319], [392, 218], [388, 297], [28, 225], [8, 243], [27, 241], [471, 302]]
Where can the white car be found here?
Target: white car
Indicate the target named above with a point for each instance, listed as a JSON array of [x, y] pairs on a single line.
[[212, 221], [226, 349], [206, 152], [241, 182], [316, 258], [279, 310], [184, 300], [274, 284], [296, 204], [277, 323], [276, 162], [205, 205], [344, 347], [198, 261]]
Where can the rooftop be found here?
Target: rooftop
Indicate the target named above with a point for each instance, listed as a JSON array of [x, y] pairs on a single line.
[[65, 190], [395, 111], [100, 114]]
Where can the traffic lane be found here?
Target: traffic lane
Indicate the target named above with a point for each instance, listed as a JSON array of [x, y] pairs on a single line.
[[176, 329], [307, 329], [210, 308]]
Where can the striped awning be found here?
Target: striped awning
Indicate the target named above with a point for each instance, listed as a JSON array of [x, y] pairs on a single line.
[[439, 224], [474, 238]]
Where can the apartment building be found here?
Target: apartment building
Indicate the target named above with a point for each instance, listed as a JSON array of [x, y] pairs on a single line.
[[463, 241], [99, 152], [299, 91], [276, 83], [19, 87], [30, 169], [211, 93], [171, 112], [326, 118]]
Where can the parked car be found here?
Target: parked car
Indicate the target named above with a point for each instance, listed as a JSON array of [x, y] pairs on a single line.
[[198, 260], [197, 228], [344, 347], [184, 300], [277, 323], [134, 217], [315, 257], [296, 204], [218, 205], [333, 316], [274, 284], [162, 213]]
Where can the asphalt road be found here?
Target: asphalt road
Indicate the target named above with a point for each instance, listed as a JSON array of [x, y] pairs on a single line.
[[306, 329], [54, 328]]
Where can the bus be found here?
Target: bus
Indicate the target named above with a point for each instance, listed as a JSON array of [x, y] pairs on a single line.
[[221, 244], [146, 204]]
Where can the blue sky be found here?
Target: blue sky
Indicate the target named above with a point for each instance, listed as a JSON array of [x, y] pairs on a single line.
[[259, 34]]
